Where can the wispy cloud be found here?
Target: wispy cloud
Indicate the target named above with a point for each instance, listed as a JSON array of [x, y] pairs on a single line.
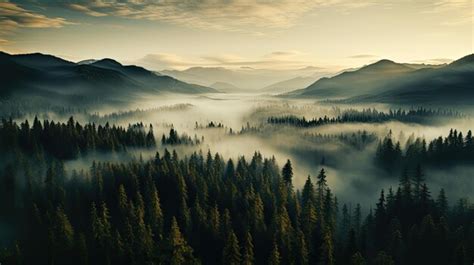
[[229, 15], [275, 60], [159, 61], [464, 10], [86, 10], [363, 56], [435, 61], [13, 17]]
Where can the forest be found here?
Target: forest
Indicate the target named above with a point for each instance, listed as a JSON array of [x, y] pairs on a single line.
[[420, 115], [236, 132], [205, 209], [68, 140], [453, 149]]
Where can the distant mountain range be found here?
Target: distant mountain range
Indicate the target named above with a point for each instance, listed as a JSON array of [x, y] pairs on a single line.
[[225, 87], [53, 78], [295, 83], [389, 82], [248, 79]]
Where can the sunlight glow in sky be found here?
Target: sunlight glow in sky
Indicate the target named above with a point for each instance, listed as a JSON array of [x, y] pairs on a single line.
[[273, 34]]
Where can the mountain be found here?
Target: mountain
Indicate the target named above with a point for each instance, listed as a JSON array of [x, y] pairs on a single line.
[[448, 85], [295, 83], [358, 82], [245, 78], [390, 82], [225, 87], [51, 78]]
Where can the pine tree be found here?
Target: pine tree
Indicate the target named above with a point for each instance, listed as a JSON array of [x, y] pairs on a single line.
[[247, 250], [321, 185], [442, 203], [418, 180], [425, 199], [231, 253], [308, 219], [326, 255], [380, 221], [308, 196], [154, 213], [302, 253], [405, 184], [63, 236], [357, 217], [177, 251], [287, 173], [274, 258]]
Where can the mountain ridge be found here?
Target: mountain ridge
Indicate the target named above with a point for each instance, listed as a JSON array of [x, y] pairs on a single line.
[[386, 81], [46, 75]]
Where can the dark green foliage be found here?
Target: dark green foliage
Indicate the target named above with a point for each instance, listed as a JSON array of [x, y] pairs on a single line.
[[68, 140], [201, 209], [287, 173], [420, 115], [231, 254], [174, 139], [440, 152], [358, 140]]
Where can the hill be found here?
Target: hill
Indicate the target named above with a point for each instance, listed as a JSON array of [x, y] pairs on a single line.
[[225, 87], [298, 82], [245, 78], [52, 78], [389, 82]]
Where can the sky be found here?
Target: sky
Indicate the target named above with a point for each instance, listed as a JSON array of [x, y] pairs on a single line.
[[263, 34]]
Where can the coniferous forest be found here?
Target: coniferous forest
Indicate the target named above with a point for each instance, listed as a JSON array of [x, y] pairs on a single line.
[[208, 209], [236, 132]]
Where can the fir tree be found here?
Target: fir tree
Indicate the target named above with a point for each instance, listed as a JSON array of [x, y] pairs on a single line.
[[231, 254]]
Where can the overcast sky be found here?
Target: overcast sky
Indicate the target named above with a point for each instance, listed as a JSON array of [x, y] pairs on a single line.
[[283, 34]]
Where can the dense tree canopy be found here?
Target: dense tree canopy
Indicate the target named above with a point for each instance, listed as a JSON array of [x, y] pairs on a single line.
[[202, 209], [455, 148], [68, 140]]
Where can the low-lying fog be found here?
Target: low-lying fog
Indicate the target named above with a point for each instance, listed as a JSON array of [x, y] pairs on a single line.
[[351, 171]]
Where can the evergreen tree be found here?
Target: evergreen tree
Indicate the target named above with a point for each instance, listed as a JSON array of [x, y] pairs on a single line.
[[177, 251], [418, 180], [327, 252], [287, 173], [274, 258], [248, 250], [442, 203], [231, 254]]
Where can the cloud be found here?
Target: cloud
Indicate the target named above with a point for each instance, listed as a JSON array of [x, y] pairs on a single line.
[[229, 15], [160, 61], [4, 43], [462, 9], [363, 56], [12, 17], [275, 60], [435, 61], [86, 10]]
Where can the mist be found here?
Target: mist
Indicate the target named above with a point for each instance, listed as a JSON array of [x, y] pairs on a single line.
[[351, 171]]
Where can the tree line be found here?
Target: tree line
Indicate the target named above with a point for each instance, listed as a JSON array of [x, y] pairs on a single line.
[[202, 209], [69, 140], [454, 148], [358, 140], [174, 138], [420, 115]]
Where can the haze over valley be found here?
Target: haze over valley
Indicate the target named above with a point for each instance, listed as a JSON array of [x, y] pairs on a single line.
[[283, 132]]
